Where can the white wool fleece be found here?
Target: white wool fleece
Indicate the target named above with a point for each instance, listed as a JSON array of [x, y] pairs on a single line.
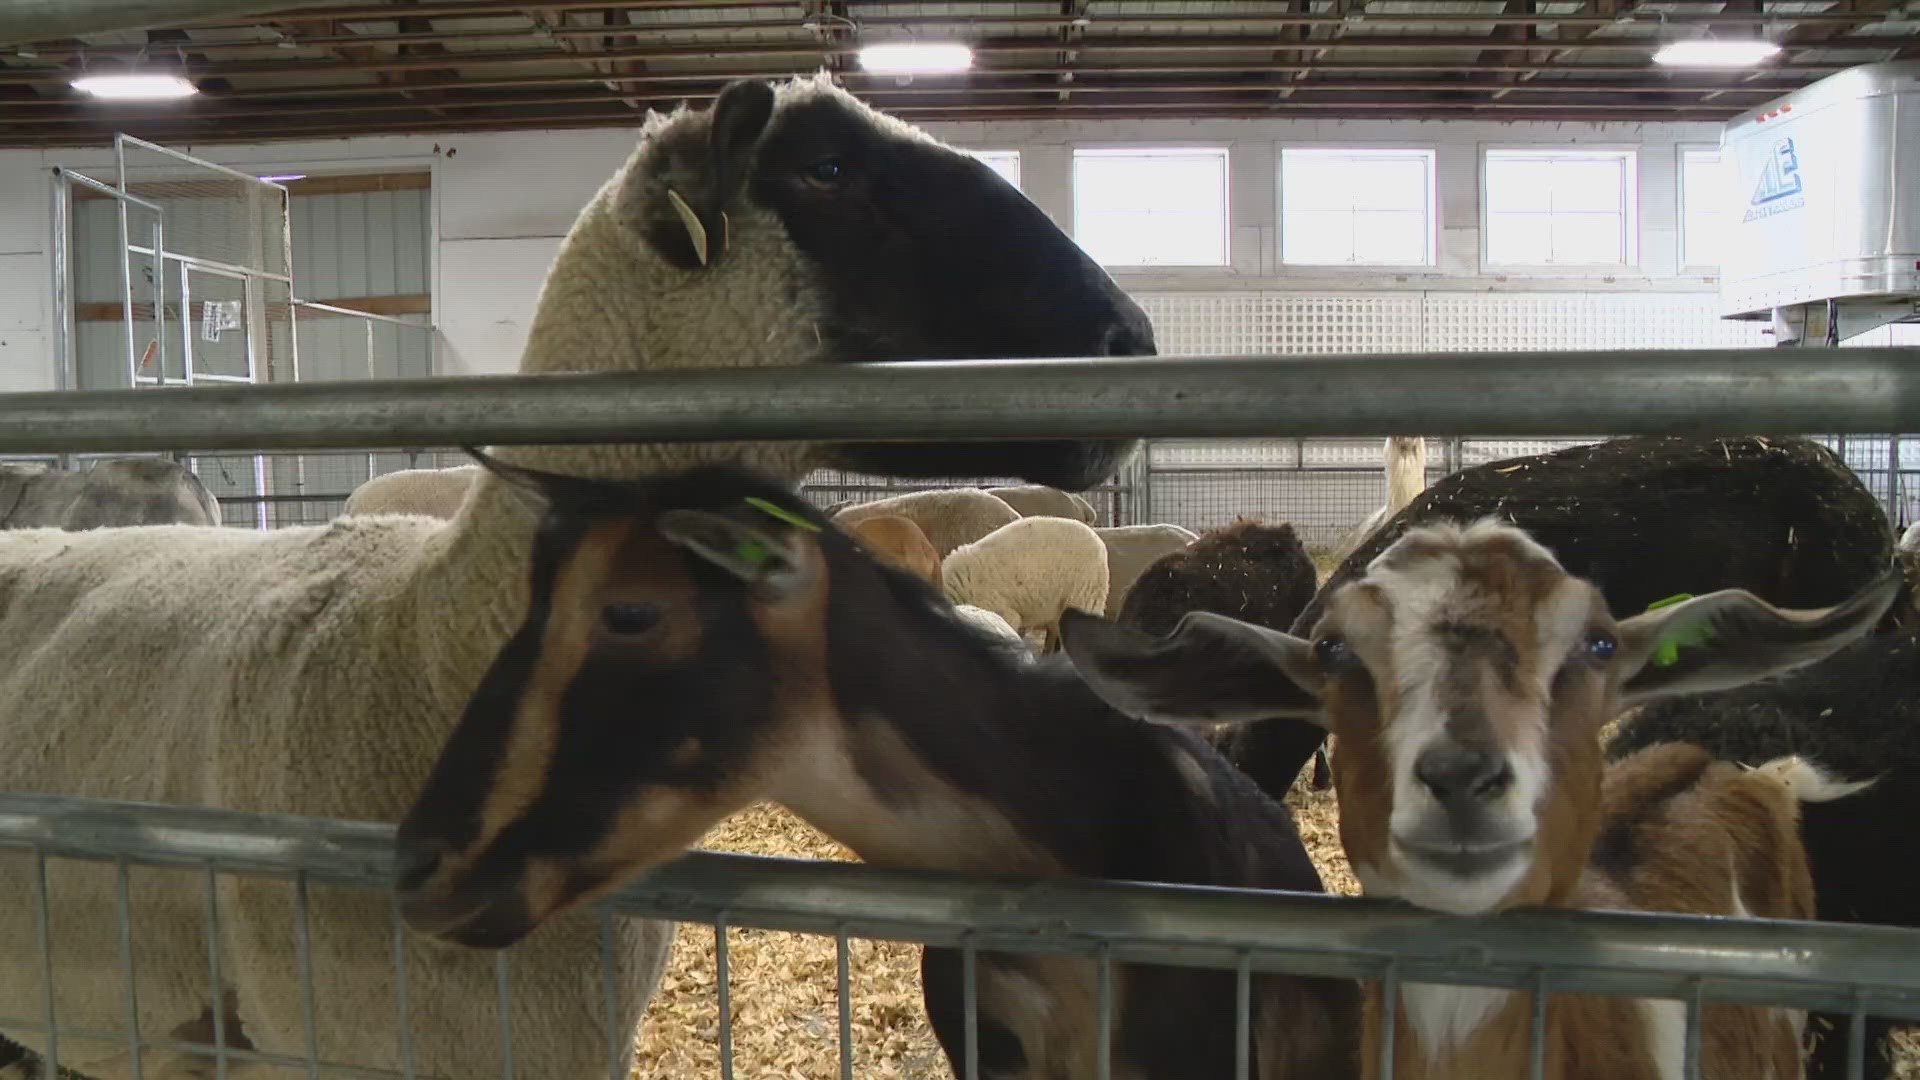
[[1029, 571], [435, 493], [317, 671], [950, 516]]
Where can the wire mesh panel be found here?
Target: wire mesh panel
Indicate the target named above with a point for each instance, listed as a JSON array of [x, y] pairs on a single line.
[[136, 915]]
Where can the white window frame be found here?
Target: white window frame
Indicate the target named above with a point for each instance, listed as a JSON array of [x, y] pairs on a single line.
[[982, 153], [1116, 149], [1432, 155], [1680, 153], [1629, 202]]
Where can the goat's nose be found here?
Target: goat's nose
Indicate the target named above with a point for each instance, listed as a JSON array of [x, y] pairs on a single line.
[[414, 861], [1461, 776]]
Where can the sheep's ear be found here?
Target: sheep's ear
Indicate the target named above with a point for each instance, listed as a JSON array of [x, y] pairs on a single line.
[[690, 226], [1731, 638], [1210, 669]]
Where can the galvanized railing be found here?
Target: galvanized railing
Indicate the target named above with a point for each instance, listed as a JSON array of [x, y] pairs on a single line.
[[1858, 971]]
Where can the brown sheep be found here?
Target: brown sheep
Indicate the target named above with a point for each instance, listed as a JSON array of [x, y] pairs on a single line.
[[899, 542], [1254, 572]]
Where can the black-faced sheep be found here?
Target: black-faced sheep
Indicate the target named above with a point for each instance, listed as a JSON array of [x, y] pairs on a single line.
[[317, 671], [1254, 572], [115, 492], [1855, 715]]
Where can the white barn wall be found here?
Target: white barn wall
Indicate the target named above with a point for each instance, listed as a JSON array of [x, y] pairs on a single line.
[[501, 202]]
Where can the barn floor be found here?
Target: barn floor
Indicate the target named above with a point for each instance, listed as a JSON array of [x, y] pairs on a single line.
[[785, 1013]]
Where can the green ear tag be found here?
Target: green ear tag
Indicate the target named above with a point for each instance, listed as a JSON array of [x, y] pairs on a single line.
[[1667, 653], [752, 552], [781, 513]]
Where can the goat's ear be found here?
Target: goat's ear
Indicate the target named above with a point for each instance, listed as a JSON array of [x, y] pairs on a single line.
[[769, 559], [1731, 638], [684, 199], [1211, 669]]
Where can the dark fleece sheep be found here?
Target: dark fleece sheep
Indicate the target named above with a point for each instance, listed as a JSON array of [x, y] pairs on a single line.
[[1854, 713], [1251, 571]]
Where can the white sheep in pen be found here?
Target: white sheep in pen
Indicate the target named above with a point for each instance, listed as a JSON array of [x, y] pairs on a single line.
[[316, 671], [1028, 572], [431, 492], [949, 516]]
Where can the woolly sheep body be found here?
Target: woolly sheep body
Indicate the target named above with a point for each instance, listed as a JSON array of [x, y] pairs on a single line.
[[1133, 548], [950, 517], [433, 493], [991, 623], [897, 540], [1039, 500], [1029, 571], [317, 671], [115, 492]]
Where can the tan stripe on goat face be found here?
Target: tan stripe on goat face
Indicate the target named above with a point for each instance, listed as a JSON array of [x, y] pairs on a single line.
[[648, 695], [1467, 702]]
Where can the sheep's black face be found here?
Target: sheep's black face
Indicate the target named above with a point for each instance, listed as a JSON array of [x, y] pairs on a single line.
[[657, 685], [923, 253]]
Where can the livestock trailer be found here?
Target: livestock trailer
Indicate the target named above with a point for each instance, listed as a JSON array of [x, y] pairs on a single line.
[[1825, 191]]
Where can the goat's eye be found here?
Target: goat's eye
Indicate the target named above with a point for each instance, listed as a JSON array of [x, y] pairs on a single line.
[[827, 170], [1600, 645], [1332, 654], [630, 619]]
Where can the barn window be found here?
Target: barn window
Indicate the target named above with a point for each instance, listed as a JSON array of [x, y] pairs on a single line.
[[1560, 207], [1365, 207], [1152, 207], [1704, 220], [1004, 162]]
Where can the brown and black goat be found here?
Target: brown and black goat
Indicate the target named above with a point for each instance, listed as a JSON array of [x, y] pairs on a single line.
[[702, 641], [1467, 677]]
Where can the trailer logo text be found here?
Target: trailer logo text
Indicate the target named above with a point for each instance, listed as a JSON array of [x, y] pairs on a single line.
[[1780, 185]]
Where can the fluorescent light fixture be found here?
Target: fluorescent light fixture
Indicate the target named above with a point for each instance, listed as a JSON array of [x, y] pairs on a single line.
[[917, 58], [281, 178], [1713, 52], [135, 87]]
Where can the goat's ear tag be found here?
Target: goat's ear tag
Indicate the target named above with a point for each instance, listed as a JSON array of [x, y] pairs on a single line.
[[1667, 653], [781, 513]]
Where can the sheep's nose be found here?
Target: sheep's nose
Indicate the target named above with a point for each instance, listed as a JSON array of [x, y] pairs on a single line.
[[414, 862], [1461, 777]]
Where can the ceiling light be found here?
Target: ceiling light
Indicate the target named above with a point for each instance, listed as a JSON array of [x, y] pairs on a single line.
[[135, 87], [281, 178], [1712, 52], [916, 59]]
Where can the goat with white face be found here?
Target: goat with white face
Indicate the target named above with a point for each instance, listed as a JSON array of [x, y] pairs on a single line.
[[701, 641], [1467, 677]]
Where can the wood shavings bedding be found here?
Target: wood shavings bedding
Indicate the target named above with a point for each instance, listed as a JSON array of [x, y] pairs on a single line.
[[786, 1011]]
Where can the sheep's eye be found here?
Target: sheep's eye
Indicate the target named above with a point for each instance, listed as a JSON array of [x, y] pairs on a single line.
[[1332, 654], [1600, 645], [825, 171], [630, 619]]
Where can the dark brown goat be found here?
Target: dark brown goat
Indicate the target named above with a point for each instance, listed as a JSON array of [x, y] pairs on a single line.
[[701, 641], [1254, 572]]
